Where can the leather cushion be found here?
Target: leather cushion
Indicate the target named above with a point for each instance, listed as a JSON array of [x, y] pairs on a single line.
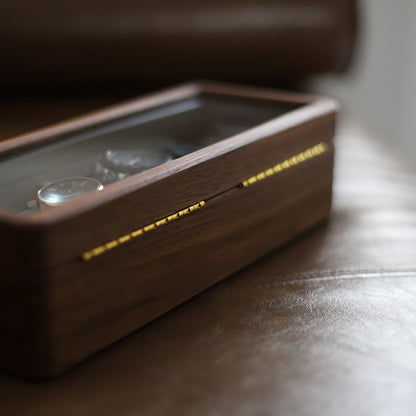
[[107, 44]]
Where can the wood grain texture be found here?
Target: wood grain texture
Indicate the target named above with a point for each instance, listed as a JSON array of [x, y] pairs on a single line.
[[57, 309]]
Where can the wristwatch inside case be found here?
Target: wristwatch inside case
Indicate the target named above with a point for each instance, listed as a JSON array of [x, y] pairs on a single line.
[[64, 190], [115, 165]]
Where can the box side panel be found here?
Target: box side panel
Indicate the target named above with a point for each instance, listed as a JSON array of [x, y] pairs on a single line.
[[25, 341]]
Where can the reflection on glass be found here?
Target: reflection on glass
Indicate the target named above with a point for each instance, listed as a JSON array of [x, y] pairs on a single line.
[[64, 190], [115, 165]]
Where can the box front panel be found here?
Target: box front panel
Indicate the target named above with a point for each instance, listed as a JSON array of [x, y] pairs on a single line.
[[97, 301]]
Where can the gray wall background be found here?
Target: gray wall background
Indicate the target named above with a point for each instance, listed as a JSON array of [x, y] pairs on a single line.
[[381, 86]]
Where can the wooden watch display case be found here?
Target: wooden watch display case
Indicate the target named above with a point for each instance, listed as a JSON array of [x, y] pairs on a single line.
[[93, 247]]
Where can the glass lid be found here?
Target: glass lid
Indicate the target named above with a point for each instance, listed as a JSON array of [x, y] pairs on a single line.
[[45, 176]]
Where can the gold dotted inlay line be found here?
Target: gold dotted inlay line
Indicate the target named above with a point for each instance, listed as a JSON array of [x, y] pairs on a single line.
[[88, 255], [288, 163]]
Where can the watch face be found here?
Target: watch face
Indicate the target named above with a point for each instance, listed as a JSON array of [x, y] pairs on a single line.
[[115, 165], [68, 189], [134, 160]]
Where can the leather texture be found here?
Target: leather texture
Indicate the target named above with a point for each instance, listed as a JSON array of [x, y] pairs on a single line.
[[325, 326], [109, 44]]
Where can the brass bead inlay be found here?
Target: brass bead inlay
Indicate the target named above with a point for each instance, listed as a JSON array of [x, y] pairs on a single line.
[[88, 255], [287, 164]]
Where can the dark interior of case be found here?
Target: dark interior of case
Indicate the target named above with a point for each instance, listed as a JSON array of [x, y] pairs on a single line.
[[102, 152]]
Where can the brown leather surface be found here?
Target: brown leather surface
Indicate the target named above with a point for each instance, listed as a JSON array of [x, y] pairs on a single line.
[[108, 44], [326, 326]]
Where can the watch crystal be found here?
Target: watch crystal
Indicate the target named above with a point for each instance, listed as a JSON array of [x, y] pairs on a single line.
[[65, 190]]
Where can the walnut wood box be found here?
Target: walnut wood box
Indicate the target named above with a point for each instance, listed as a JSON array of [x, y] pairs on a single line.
[[77, 278]]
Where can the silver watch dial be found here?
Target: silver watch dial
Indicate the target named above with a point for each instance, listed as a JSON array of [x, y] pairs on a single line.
[[68, 189], [134, 160], [115, 165]]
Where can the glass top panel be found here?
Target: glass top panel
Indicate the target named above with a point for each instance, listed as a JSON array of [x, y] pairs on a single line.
[[48, 175]]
